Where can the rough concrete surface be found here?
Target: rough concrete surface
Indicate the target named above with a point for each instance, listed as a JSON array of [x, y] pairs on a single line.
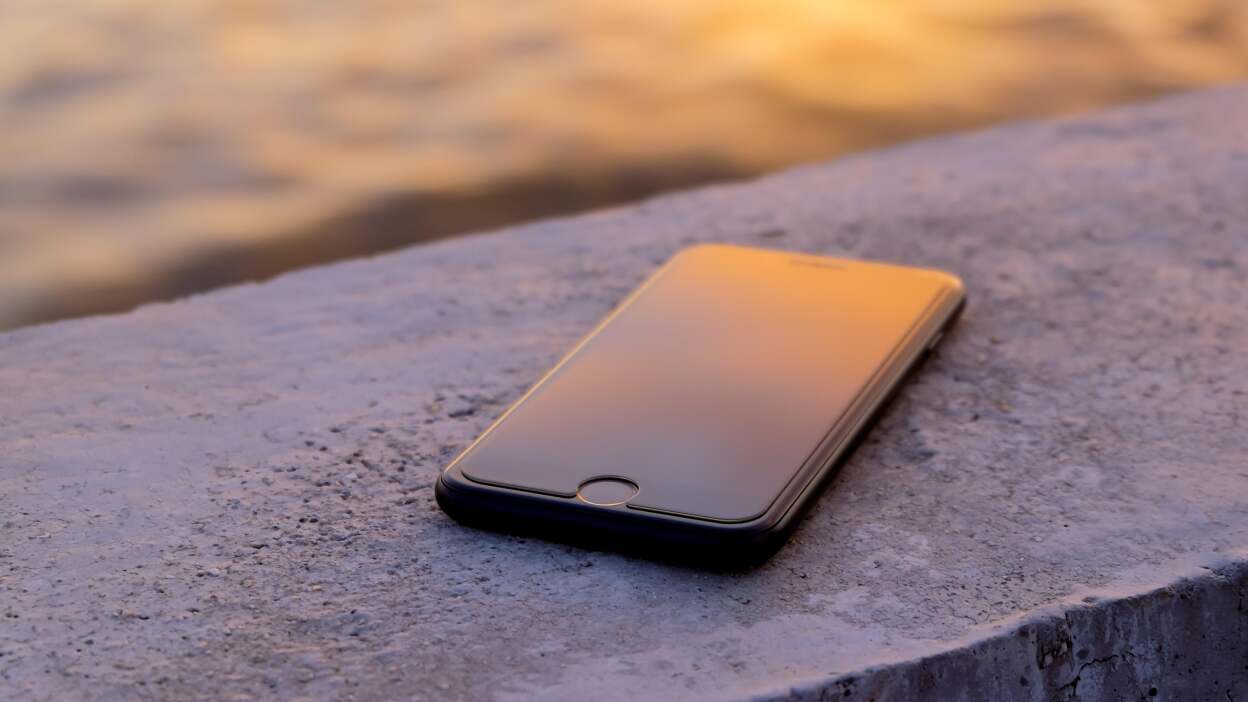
[[231, 496]]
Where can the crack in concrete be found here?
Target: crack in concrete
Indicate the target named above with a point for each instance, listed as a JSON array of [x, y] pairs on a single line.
[[1074, 682]]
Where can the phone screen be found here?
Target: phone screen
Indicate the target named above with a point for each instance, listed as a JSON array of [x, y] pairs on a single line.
[[712, 386]]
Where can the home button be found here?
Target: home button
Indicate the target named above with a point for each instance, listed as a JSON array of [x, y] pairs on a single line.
[[605, 492]]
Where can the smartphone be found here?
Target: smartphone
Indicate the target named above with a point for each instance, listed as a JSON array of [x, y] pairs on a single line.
[[700, 418]]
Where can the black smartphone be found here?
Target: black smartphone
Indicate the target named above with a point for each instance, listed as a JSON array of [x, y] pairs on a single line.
[[699, 419]]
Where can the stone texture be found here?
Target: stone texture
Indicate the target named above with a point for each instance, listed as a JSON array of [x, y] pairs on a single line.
[[231, 495]]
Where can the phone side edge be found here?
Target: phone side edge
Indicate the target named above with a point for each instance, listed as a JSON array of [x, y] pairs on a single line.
[[946, 312]]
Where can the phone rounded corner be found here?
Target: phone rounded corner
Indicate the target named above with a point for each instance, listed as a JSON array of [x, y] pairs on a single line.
[[441, 493], [953, 284], [759, 532], [449, 491], [952, 295], [759, 539]]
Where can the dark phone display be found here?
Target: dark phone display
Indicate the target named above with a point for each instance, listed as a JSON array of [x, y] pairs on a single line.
[[713, 385]]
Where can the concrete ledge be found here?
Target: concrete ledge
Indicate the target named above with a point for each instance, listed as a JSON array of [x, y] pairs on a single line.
[[232, 494]]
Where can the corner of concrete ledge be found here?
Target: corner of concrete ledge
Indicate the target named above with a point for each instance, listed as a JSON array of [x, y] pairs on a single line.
[[231, 494]]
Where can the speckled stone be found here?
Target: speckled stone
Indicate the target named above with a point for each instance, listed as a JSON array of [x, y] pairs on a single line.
[[231, 496]]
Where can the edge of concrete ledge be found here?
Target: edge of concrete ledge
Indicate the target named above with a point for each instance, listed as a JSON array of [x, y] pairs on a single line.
[[1140, 639]]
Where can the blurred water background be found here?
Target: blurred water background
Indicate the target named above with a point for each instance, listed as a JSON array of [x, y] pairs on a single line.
[[153, 148]]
